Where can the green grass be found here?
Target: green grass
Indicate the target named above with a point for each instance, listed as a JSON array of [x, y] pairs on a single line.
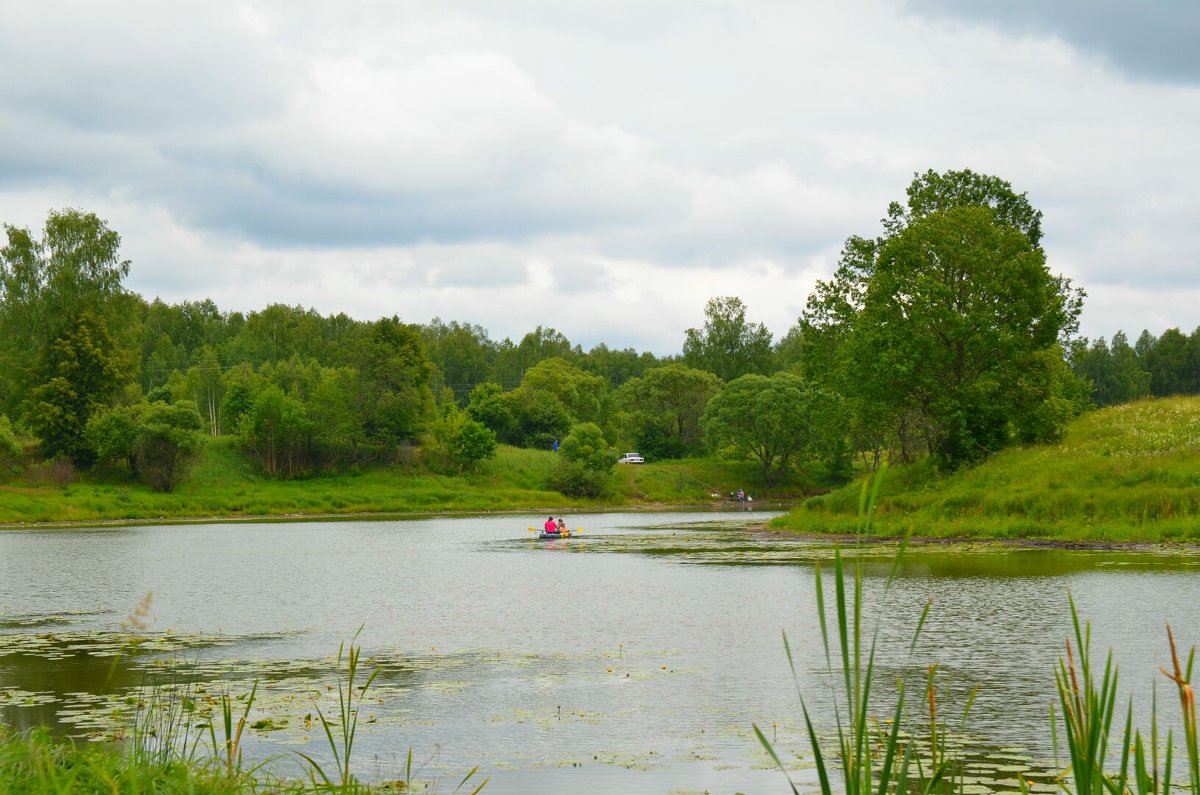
[[1124, 474], [224, 484]]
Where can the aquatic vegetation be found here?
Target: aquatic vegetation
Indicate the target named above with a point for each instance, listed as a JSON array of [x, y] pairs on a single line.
[[892, 758], [871, 756], [346, 724]]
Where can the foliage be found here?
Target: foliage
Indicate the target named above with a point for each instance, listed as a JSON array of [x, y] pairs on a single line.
[[728, 346], [665, 406], [475, 444], [460, 442], [278, 433], [335, 409], [542, 343], [238, 398], [81, 370], [167, 440], [585, 444], [585, 462], [767, 420], [491, 406], [580, 393], [396, 376], [110, 432], [10, 448], [948, 324], [617, 366], [462, 353], [205, 386], [46, 287], [541, 418], [1114, 372]]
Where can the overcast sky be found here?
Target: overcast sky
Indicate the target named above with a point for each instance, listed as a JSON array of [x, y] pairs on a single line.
[[602, 167]]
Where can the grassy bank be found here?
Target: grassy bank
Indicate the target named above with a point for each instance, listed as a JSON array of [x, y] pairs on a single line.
[[1124, 474], [224, 484]]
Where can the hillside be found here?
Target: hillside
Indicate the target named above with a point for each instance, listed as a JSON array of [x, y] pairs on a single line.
[[1129, 473]]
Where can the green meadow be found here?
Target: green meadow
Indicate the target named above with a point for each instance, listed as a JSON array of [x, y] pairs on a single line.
[[224, 484], [1129, 473]]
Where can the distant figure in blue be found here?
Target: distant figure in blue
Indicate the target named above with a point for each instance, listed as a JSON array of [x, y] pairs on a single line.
[[556, 445]]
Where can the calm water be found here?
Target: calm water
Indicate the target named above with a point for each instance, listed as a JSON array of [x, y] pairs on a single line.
[[633, 658]]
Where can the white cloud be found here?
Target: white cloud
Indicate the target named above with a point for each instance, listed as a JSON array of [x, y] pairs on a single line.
[[616, 164]]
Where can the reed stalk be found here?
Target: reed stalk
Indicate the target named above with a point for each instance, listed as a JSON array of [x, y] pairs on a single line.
[[341, 730], [229, 749], [870, 765]]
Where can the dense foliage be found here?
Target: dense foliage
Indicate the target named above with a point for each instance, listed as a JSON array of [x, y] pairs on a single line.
[[944, 331], [947, 334]]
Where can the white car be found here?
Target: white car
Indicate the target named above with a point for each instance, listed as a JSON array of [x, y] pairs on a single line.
[[631, 458]]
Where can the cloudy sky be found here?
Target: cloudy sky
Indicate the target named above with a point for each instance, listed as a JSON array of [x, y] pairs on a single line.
[[603, 167]]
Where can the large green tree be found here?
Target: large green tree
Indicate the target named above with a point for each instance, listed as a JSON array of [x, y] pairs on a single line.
[[395, 376], [769, 420], [46, 286], [947, 327], [79, 372], [664, 407]]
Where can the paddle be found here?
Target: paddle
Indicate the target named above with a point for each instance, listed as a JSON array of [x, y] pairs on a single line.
[[574, 532]]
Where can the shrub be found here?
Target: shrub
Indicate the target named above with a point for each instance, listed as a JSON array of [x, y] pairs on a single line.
[[167, 441], [10, 448]]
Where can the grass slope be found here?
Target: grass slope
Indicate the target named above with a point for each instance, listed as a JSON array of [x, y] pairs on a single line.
[[225, 484], [1128, 473]]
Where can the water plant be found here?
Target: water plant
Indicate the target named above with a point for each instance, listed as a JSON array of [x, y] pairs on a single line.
[[890, 761], [1087, 715], [229, 748], [340, 732], [872, 760]]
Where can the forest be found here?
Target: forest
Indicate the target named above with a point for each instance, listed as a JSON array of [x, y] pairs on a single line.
[[943, 336]]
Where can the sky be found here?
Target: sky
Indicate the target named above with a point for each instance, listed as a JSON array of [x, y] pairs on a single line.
[[602, 167]]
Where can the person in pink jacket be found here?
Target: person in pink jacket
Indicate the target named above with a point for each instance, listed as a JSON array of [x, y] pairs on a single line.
[[551, 527]]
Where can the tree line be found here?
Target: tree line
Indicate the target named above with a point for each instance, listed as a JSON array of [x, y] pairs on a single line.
[[945, 335]]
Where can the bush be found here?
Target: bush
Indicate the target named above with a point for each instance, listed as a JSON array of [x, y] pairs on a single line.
[[585, 462], [576, 480], [10, 448], [168, 439]]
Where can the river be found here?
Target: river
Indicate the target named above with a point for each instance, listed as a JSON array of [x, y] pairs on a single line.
[[635, 657]]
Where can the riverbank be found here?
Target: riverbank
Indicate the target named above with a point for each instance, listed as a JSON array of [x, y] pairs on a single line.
[[1127, 475], [223, 486]]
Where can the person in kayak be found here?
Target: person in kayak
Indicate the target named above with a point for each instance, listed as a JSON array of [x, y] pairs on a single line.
[[551, 527], [562, 526]]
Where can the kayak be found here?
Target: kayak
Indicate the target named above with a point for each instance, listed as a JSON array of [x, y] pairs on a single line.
[[544, 536]]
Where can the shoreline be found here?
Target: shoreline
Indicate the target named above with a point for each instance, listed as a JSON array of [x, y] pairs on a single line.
[[383, 515], [845, 539], [848, 539]]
